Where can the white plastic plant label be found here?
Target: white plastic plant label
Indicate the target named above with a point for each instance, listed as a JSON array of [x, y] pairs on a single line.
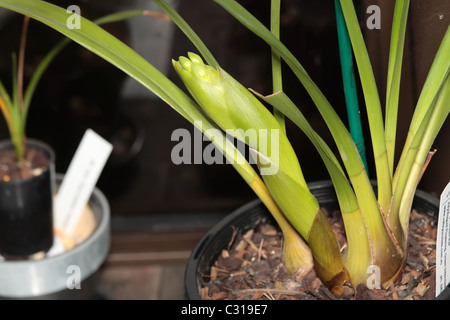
[[80, 180], [443, 242]]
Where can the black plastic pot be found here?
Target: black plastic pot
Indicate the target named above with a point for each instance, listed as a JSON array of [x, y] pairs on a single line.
[[51, 278], [26, 210], [254, 213]]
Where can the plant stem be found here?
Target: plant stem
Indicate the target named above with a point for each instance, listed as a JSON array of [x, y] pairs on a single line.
[[403, 177], [394, 77], [5, 111], [430, 129], [277, 81], [188, 31], [23, 42], [20, 144], [373, 105], [436, 76]]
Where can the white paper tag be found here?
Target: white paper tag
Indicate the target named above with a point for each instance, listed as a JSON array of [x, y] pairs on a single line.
[[443, 242], [79, 181]]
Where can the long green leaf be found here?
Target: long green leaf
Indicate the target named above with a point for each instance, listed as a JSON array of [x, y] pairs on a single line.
[[34, 81], [108, 47], [373, 104], [5, 106], [345, 193], [16, 120], [277, 79], [439, 70], [394, 76], [421, 145], [188, 31], [15, 89], [45, 62], [4, 93]]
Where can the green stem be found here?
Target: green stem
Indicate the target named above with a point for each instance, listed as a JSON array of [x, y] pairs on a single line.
[[373, 104], [436, 76], [394, 77], [276, 59], [430, 128], [188, 31]]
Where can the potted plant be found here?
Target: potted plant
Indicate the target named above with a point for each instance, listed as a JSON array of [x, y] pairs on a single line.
[[31, 259], [376, 222], [64, 274], [27, 175], [239, 258]]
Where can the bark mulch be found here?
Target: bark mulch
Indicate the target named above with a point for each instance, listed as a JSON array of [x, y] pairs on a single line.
[[251, 269]]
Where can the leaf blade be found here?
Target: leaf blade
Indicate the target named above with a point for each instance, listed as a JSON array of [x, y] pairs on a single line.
[[394, 76]]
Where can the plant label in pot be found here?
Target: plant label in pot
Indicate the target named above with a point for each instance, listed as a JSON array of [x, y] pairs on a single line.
[[80, 179], [26, 193]]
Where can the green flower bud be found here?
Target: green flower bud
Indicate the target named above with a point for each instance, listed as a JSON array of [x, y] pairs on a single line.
[[238, 112]]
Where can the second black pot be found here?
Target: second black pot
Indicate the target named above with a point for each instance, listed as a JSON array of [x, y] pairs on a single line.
[[26, 210]]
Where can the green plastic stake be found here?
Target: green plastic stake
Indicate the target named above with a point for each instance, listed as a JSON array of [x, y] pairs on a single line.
[[348, 77]]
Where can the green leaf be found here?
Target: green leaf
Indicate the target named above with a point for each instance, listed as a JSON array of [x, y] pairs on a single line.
[[281, 102], [439, 70], [419, 149], [394, 76], [277, 79], [34, 81], [404, 180], [16, 129], [43, 65], [373, 104], [4, 94], [5, 106], [188, 31]]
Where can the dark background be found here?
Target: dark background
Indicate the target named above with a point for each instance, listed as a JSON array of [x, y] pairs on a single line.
[[81, 91]]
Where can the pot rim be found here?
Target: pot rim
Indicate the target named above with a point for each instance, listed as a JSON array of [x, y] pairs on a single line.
[[7, 143], [30, 141]]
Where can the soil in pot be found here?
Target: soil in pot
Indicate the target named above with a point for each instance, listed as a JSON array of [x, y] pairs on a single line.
[[34, 163], [251, 268], [26, 211]]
